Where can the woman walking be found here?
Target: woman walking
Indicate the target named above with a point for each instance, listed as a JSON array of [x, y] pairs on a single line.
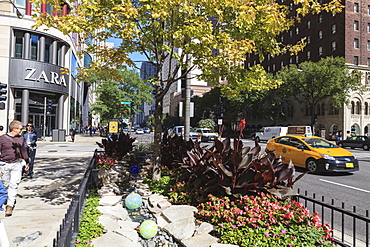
[[30, 139]]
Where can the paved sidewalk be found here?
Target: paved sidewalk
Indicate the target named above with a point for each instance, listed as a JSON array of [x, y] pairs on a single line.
[[43, 201]]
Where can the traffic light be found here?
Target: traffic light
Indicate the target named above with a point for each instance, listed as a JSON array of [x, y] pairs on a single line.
[[3, 97], [315, 118], [49, 107]]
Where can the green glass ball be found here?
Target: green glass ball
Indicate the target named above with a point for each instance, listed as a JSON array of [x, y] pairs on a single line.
[[148, 229]]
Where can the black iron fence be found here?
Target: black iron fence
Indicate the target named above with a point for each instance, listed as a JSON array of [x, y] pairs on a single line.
[[68, 231], [349, 227]]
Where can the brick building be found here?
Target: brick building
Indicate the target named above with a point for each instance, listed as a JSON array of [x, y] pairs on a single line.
[[346, 34]]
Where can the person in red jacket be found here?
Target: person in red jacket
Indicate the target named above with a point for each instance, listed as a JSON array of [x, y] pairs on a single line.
[[13, 157]]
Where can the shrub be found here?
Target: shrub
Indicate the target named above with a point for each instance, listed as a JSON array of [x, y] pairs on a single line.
[[103, 162], [263, 220]]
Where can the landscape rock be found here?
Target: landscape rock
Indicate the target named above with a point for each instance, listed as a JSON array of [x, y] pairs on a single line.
[[179, 212], [118, 211], [204, 227], [109, 222], [202, 240], [181, 229], [110, 200], [113, 239]]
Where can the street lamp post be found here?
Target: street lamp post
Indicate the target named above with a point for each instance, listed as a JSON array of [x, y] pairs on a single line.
[[313, 122]]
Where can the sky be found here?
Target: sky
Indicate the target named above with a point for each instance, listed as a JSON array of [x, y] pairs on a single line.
[[134, 56]]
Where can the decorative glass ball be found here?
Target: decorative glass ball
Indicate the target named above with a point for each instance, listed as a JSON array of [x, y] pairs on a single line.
[[134, 169], [133, 201], [148, 229]]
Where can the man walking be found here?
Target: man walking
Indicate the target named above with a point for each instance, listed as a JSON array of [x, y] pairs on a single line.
[[13, 156]]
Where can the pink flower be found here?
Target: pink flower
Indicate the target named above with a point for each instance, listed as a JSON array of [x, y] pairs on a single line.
[[267, 234], [283, 231]]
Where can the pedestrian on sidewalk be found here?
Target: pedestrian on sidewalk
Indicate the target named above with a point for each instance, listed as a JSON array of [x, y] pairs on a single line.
[[30, 138], [13, 156], [73, 133]]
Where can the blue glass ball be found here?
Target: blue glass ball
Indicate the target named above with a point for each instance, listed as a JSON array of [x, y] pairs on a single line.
[[133, 201], [134, 169], [148, 229]]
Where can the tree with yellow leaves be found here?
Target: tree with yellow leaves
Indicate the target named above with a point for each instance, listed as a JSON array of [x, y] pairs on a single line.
[[177, 36]]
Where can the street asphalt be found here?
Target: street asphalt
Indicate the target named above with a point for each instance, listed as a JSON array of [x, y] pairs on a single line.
[[43, 200]]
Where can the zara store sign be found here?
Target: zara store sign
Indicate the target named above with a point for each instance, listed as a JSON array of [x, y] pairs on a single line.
[[35, 75], [51, 77]]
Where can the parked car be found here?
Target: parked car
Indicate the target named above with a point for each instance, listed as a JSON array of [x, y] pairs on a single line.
[[139, 131], [313, 153], [146, 130], [206, 134], [179, 130], [356, 142], [268, 133]]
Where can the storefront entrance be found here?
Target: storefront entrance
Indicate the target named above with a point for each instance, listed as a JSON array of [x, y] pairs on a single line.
[[37, 111]]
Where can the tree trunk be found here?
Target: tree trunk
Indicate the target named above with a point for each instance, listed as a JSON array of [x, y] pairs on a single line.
[[157, 139]]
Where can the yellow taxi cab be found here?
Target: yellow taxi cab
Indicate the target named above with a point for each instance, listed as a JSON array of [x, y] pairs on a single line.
[[313, 153]]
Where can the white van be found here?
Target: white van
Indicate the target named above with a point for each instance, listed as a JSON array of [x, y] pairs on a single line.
[[270, 132], [300, 130]]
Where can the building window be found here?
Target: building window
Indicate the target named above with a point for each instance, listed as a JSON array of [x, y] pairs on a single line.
[[355, 43], [47, 57], [366, 108], [273, 67], [356, 8], [355, 60], [333, 28], [320, 18], [358, 107], [308, 55], [320, 34], [282, 38], [308, 39], [368, 45], [21, 6], [308, 24], [18, 51], [355, 26], [368, 62], [368, 27], [281, 64], [296, 59], [333, 46], [352, 107], [296, 30], [290, 33], [320, 50], [318, 108], [368, 79], [34, 47], [290, 60], [323, 109], [368, 9]]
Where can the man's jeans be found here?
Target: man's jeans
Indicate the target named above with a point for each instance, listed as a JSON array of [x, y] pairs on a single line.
[[12, 174], [3, 196]]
